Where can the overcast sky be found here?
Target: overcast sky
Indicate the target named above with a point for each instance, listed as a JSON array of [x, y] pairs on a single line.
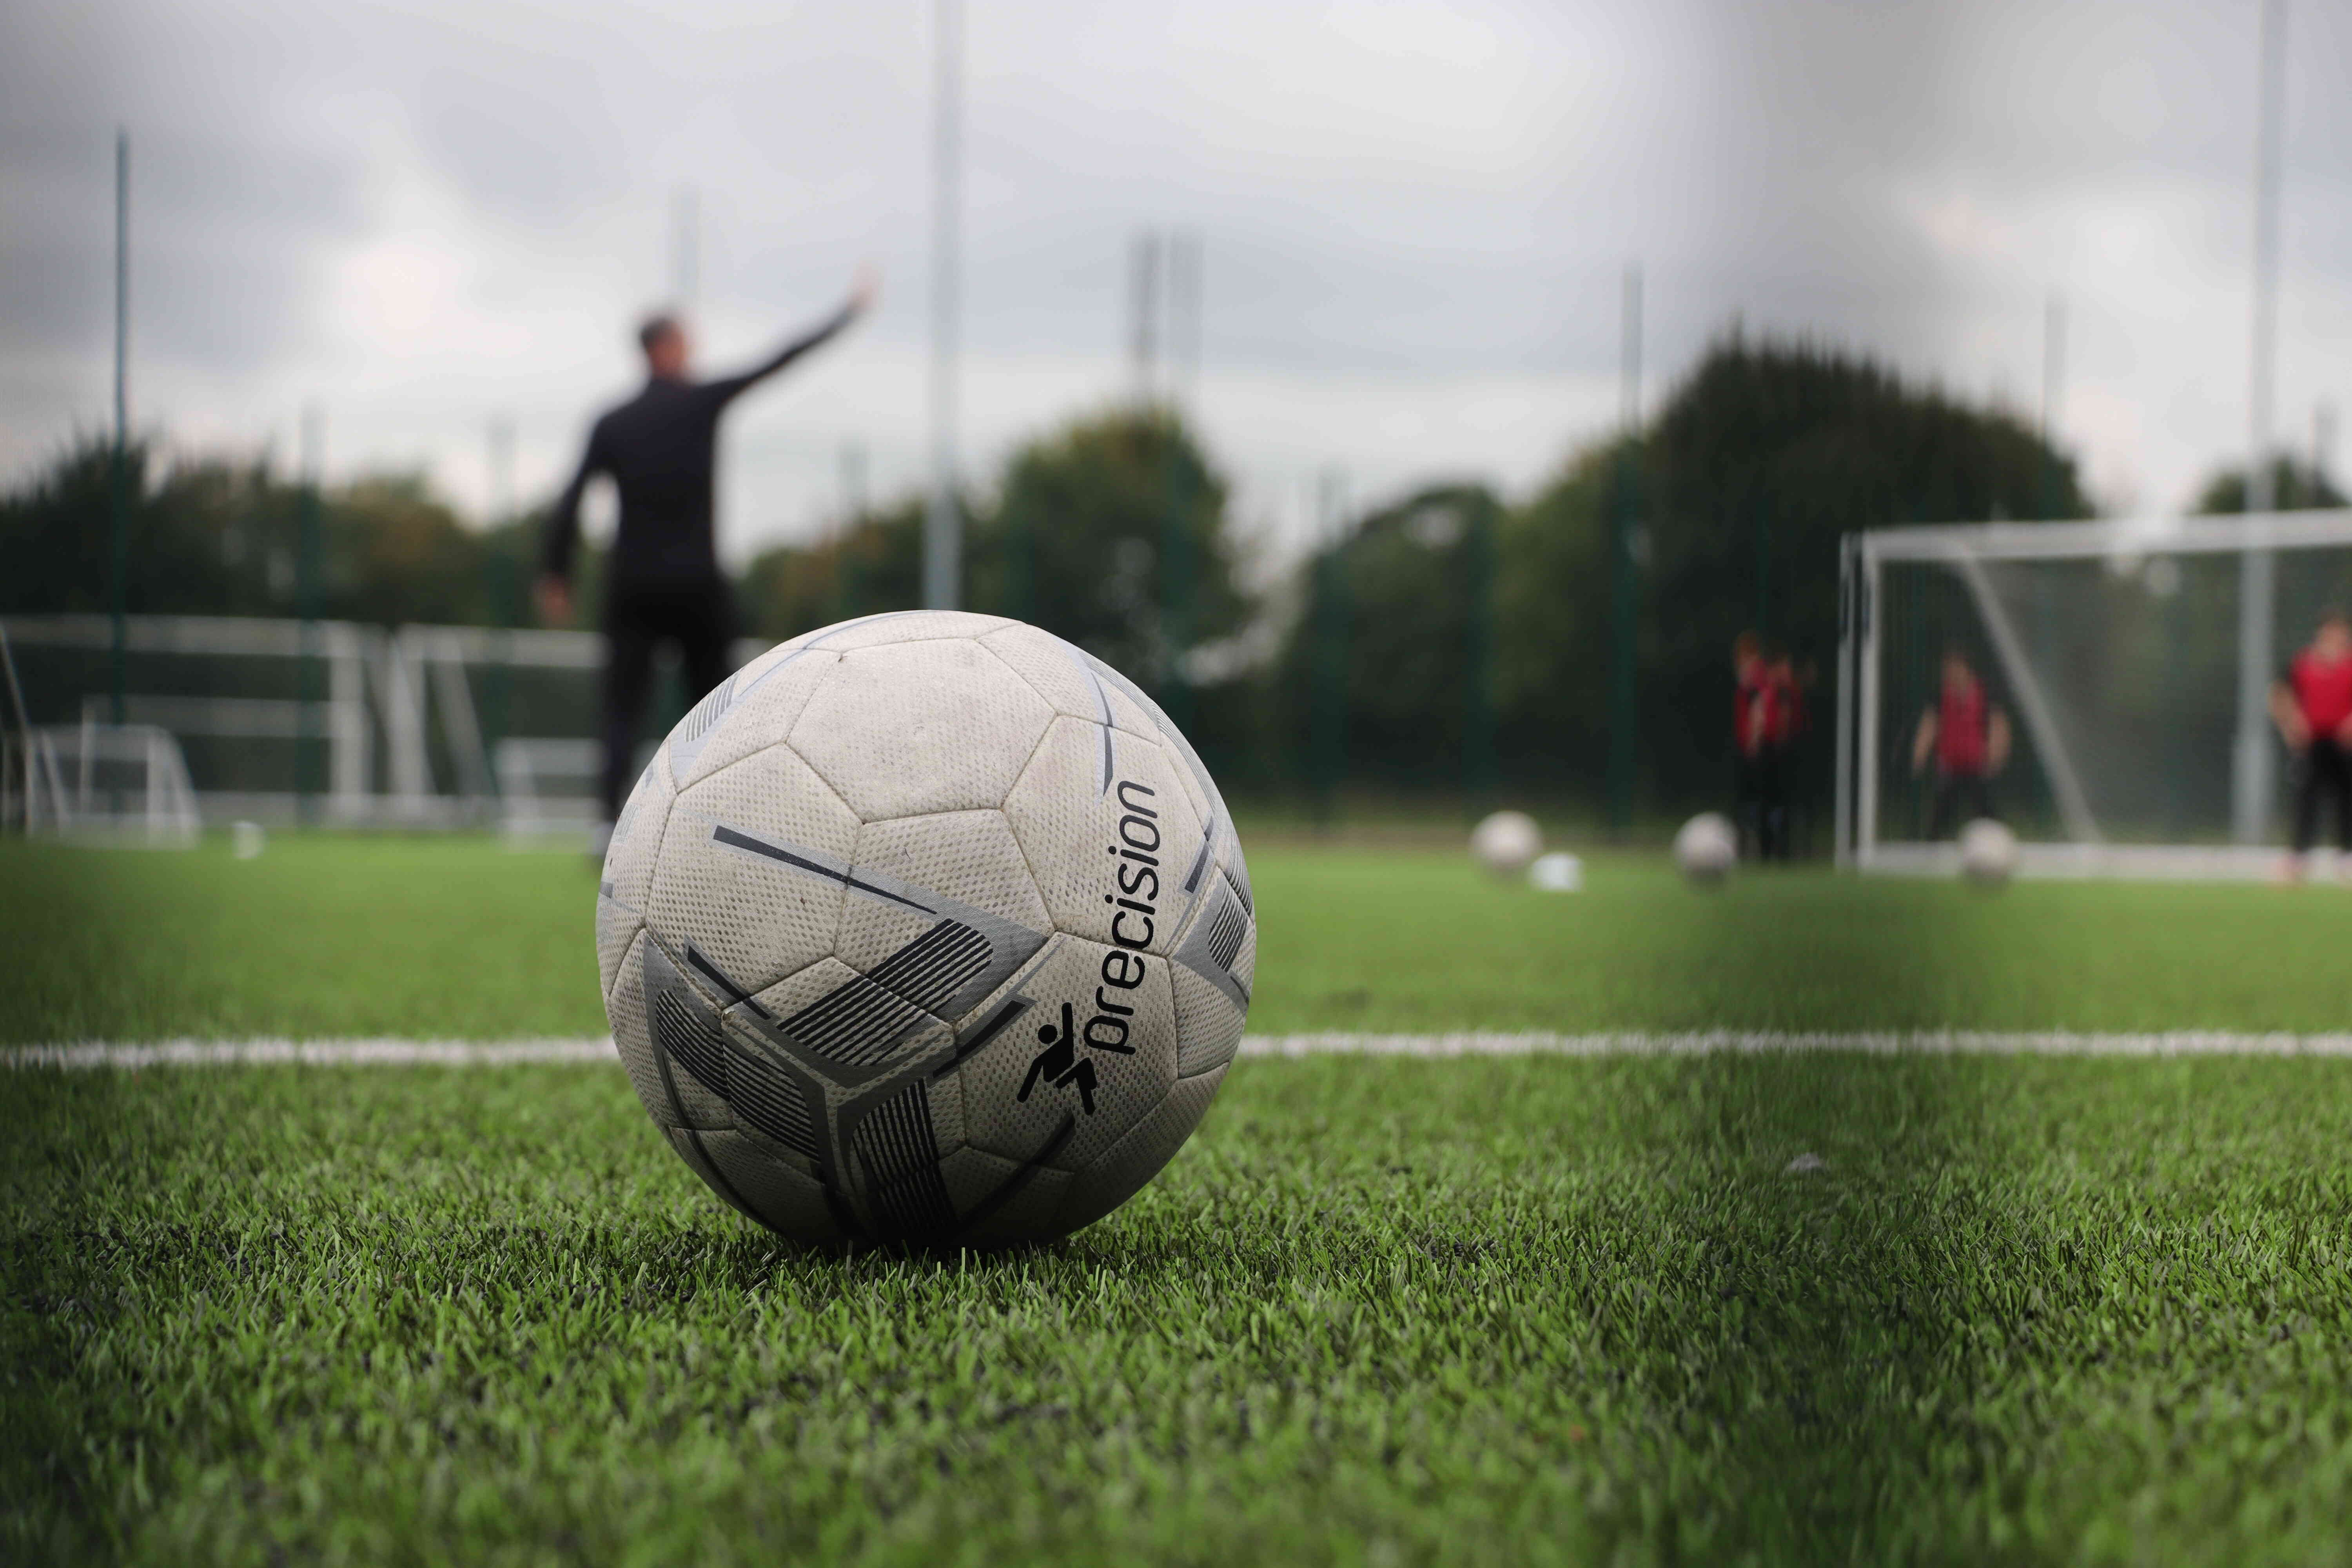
[[1415, 220]]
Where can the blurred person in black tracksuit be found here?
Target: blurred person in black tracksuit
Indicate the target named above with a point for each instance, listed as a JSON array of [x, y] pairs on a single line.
[[659, 449]]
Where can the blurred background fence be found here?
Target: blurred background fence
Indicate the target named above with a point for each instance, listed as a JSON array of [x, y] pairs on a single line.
[[362, 654]]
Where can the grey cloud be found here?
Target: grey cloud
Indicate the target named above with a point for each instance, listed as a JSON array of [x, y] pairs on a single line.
[[1769, 162]]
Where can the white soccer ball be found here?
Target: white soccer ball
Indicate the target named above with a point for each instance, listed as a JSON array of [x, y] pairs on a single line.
[[1988, 853], [926, 928], [1506, 842], [1557, 872], [1706, 849]]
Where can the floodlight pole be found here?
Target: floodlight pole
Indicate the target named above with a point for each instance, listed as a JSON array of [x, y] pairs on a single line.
[[943, 525], [1327, 666], [2053, 395], [2252, 777], [1181, 257], [306, 552], [1479, 769], [1623, 597], [119, 556]]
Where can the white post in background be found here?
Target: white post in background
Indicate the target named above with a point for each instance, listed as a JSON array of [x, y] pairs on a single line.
[[2252, 775], [942, 524], [347, 733], [1849, 633], [1871, 582]]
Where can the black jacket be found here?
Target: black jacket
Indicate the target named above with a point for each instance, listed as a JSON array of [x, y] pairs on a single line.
[[660, 448]]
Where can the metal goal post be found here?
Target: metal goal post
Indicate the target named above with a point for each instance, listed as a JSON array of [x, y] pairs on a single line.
[[2132, 662]]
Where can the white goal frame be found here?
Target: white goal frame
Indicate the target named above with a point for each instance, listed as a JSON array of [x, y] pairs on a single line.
[[385, 696], [1967, 550]]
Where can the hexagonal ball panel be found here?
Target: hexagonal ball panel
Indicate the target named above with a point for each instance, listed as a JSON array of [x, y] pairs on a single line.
[[908, 729]]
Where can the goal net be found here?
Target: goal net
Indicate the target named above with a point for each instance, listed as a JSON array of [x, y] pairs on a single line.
[[322, 722], [2130, 664]]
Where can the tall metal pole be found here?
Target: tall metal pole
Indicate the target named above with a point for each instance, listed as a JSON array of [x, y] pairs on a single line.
[[1143, 312], [308, 548], [2053, 396], [2252, 777], [1621, 644], [1180, 254], [1479, 760], [942, 524], [1328, 665], [119, 570]]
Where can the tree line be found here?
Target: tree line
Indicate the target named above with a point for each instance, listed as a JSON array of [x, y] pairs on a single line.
[[1447, 643]]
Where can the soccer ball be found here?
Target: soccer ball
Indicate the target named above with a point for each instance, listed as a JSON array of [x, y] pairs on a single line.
[[1706, 849], [1506, 842], [926, 928], [1988, 853]]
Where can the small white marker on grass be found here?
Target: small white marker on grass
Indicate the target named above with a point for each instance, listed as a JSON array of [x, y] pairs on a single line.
[[1557, 872]]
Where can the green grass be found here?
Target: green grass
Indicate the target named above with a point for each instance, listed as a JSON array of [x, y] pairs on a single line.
[[1479, 1312], [460, 939], [1379, 1311]]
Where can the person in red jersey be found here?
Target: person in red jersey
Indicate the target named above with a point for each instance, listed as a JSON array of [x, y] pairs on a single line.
[[1966, 734], [2312, 708], [1784, 721], [1752, 758]]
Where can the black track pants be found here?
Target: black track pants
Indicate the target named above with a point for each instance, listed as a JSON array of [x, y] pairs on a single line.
[[1956, 794], [698, 619], [2324, 769]]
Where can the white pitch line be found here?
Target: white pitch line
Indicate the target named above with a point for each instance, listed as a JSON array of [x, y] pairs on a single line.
[[597, 1048], [312, 1053]]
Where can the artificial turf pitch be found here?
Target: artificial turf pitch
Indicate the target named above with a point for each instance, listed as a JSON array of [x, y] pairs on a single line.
[[1581, 1310]]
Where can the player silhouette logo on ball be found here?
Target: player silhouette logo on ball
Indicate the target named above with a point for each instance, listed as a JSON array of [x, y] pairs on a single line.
[[1059, 1063]]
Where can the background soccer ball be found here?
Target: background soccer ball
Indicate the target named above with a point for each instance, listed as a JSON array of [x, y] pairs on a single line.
[[926, 927], [1557, 872], [1706, 849], [1988, 853], [1505, 842]]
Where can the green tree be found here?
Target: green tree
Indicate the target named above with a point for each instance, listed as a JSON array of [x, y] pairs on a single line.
[[1764, 457], [214, 536], [196, 539], [1082, 536], [1553, 615], [2294, 486], [873, 564], [1402, 578]]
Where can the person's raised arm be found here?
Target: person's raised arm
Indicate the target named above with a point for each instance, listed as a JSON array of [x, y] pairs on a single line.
[[862, 294], [562, 536]]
